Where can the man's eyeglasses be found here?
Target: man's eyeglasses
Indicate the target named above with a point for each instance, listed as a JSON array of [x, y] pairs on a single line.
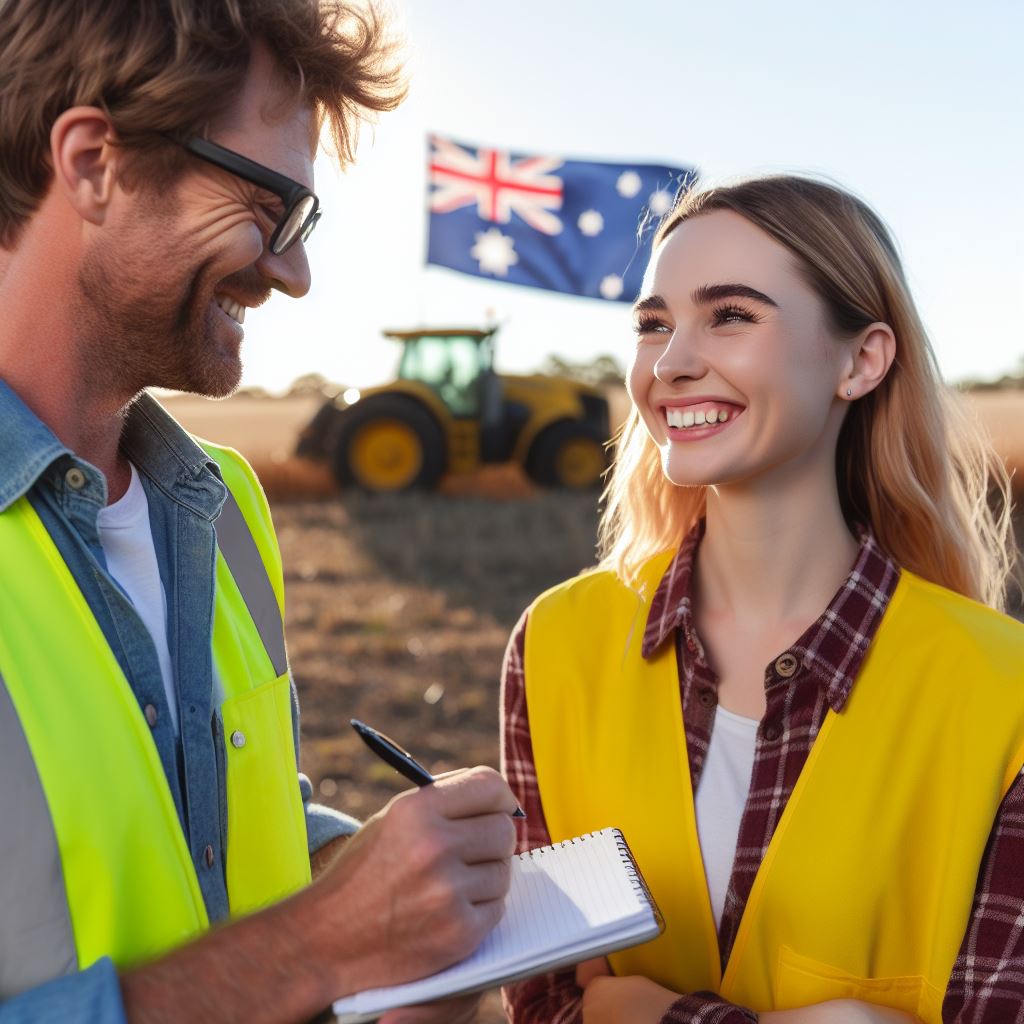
[[301, 207]]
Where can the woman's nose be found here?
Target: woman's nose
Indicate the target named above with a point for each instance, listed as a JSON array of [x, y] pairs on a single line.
[[682, 358]]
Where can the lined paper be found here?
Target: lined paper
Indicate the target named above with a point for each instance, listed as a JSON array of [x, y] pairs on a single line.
[[566, 903]]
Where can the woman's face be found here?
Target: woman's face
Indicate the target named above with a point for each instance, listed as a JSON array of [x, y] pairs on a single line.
[[736, 374]]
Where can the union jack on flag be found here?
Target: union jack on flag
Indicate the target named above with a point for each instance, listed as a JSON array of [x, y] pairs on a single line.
[[581, 227]]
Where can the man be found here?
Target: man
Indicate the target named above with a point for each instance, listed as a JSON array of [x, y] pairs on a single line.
[[155, 183]]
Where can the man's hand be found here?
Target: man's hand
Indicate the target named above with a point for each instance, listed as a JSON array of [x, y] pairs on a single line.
[[839, 1011], [421, 884]]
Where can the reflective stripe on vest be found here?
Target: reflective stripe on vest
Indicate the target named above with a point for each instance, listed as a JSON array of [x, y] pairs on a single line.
[[92, 858], [866, 888]]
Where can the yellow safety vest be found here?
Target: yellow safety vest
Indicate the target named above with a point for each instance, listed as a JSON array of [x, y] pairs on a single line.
[[866, 889], [131, 888]]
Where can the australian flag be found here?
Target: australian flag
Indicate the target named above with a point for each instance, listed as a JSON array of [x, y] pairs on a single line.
[[572, 226]]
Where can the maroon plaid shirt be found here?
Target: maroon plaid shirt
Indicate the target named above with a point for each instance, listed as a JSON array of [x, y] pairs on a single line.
[[987, 983]]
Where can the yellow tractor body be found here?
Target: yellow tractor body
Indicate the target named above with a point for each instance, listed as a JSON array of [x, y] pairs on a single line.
[[449, 412]]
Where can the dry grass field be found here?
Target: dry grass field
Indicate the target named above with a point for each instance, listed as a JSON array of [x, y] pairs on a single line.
[[399, 608]]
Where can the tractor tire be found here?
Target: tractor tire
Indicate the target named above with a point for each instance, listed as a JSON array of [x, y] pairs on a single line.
[[569, 454], [388, 444]]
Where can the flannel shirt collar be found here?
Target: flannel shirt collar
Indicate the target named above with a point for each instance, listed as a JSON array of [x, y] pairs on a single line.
[[832, 648]]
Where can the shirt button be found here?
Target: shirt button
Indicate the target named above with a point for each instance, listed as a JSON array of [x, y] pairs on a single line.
[[208, 856], [238, 739], [707, 697], [786, 665], [151, 716], [772, 732], [74, 478]]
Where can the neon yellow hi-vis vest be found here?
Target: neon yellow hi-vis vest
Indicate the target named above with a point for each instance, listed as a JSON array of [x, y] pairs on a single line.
[[865, 891], [129, 881]]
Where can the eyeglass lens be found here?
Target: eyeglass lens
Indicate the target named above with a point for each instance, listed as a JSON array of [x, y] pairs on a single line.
[[299, 223]]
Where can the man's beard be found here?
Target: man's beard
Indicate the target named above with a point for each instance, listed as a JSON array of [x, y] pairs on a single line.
[[166, 336]]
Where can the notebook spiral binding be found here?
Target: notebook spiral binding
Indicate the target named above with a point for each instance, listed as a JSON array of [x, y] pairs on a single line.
[[632, 870]]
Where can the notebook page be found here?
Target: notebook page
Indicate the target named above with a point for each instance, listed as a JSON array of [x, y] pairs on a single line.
[[575, 895]]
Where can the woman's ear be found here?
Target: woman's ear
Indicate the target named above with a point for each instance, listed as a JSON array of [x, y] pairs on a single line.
[[870, 355], [84, 160]]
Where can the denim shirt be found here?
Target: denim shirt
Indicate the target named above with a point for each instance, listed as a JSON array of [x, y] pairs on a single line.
[[185, 494]]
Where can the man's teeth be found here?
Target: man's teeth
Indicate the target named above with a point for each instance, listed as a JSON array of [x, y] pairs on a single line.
[[689, 418], [233, 309]]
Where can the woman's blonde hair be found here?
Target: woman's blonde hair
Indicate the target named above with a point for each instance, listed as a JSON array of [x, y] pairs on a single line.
[[912, 463]]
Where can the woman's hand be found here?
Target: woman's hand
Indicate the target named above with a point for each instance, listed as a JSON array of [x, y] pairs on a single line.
[[839, 1011], [609, 1000], [451, 1011]]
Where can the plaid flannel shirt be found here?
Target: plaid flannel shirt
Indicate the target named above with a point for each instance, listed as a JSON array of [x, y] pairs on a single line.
[[987, 982]]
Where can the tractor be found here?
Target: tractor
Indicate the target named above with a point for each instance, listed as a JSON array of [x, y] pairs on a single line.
[[448, 411]]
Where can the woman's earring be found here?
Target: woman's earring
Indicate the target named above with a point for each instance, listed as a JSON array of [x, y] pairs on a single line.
[[849, 392]]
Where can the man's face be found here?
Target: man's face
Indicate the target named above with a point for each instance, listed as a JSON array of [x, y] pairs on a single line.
[[165, 283]]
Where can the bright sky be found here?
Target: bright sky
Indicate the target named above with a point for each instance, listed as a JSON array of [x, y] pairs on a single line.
[[916, 106]]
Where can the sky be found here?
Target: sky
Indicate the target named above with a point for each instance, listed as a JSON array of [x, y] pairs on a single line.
[[914, 106]]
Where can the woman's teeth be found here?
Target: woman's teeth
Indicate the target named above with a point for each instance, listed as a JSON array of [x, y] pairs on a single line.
[[688, 418], [233, 309]]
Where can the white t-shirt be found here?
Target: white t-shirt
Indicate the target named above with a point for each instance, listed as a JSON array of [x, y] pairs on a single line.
[[721, 797], [127, 540]]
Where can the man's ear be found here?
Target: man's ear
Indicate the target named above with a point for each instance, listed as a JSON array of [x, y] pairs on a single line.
[[870, 356], [84, 160]]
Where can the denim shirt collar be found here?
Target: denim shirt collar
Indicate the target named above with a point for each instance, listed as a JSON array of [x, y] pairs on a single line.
[[157, 445], [30, 447]]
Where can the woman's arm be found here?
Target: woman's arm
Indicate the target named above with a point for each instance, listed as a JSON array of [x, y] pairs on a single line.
[[987, 983]]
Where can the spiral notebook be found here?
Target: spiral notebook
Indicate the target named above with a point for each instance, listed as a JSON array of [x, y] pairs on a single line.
[[568, 902]]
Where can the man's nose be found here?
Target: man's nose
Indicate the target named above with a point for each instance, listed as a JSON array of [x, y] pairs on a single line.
[[287, 272], [682, 358]]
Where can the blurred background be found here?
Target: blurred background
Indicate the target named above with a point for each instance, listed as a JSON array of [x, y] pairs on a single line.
[[399, 606]]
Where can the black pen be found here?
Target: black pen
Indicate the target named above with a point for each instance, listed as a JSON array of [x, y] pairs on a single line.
[[401, 760]]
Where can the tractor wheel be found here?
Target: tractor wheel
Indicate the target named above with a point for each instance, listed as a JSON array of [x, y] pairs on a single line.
[[387, 445], [570, 454]]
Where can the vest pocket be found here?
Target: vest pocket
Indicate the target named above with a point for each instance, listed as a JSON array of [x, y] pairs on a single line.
[[801, 981], [267, 856]]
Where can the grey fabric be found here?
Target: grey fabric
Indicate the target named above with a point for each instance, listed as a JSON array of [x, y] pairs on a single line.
[[36, 940], [239, 549]]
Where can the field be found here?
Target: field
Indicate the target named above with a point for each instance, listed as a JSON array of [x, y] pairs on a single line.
[[399, 609]]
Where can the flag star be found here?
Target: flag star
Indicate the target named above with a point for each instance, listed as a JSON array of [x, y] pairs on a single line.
[[611, 286], [629, 184], [660, 202], [590, 223], [494, 252]]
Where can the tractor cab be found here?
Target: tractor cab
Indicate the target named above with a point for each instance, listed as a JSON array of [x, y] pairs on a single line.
[[457, 364]]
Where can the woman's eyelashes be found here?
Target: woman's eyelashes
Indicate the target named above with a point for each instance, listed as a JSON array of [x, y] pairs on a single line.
[[733, 314], [720, 316]]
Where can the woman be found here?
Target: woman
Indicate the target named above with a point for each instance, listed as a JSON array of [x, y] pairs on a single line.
[[786, 682]]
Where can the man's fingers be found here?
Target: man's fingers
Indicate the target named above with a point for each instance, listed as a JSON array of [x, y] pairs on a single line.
[[489, 881], [472, 792], [484, 838]]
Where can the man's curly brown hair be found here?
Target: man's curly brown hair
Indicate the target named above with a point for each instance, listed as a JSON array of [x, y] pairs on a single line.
[[173, 67]]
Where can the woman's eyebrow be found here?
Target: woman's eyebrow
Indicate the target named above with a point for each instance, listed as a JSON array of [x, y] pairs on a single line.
[[713, 292], [650, 304]]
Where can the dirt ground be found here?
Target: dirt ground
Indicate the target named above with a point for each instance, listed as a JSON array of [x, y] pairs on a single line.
[[399, 609]]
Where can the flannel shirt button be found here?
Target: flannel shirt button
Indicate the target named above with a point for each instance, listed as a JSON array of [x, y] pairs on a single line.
[[786, 665], [208, 856], [707, 697], [772, 732], [151, 716], [74, 478]]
